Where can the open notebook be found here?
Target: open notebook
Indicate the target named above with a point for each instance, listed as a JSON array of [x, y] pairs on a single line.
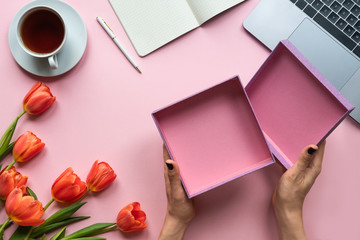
[[152, 24]]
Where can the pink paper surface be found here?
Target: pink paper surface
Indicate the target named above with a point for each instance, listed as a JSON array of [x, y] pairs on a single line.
[[103, 111], [214, 136], [293, 107]]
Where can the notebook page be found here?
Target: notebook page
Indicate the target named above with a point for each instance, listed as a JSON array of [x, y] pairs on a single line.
[[206, 9], [152, 23]]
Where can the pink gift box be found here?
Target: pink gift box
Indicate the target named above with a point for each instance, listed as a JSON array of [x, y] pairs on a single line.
[[215, 137], [294, 103]]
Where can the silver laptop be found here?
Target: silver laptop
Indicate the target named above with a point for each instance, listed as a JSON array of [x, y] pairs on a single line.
[[326, 32]]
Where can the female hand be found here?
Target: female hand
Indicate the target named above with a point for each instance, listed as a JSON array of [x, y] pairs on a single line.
[[180, 209], [290, 193]]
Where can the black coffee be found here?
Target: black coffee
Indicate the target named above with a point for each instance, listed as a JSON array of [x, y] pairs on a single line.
[[42, 31]]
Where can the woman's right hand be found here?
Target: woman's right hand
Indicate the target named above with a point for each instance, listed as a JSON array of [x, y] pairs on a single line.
[[290, 193]]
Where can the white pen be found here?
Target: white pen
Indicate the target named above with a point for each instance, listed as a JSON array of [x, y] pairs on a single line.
[[113, 37]]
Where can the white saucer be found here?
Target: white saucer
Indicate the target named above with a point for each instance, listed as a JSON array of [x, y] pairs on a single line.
[[72, 51]]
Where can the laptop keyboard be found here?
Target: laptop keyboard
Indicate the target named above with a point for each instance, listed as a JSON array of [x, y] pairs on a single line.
[[341, 18]]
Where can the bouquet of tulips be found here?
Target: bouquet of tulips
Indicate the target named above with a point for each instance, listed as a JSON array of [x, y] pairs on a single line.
[[21, 204]]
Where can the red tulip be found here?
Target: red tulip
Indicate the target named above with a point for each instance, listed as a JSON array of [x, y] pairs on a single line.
[[38, 99], [101, 175], [24, 210], [131, 218], [9, 180], [68, 187], [27, 146]]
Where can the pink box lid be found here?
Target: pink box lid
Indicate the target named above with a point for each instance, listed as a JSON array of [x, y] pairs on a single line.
[[294, 103]]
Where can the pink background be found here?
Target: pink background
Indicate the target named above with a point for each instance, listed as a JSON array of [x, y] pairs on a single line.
[[103, 111]]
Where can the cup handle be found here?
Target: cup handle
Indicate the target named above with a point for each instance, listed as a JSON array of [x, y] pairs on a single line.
[[53, 62]]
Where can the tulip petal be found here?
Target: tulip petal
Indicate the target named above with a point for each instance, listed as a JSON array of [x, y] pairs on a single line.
[[101, 175], [33, 210], [24, 210], [25, 207], [39, 103], [68, 187], [13, 200], [32, 152], [131, 218], [71, 193], [38, 99], [32, 90], [31, 222], [21, 144], [9, 180], [27, 146], [68, 171], [64, 183], [6, 185]]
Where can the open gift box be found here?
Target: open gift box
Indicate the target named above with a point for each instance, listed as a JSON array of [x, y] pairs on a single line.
[[294, 103], [225, 132]]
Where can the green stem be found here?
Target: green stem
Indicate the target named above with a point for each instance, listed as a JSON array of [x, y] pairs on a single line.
[[29, 233], [79, 200], [10, 165], [3, 226], [21, 114], [48, 204]]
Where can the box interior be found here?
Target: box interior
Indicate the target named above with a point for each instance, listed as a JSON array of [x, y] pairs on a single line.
[[292, 106], [213, 136]]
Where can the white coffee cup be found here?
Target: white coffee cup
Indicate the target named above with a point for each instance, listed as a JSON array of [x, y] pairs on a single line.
[[41, 32]]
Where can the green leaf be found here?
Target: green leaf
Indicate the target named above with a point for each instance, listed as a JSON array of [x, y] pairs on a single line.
[[62, 214], [4, 147], [95, 229], [7, 151], [31, 193], [43, 237], [6, 138], [46, 229], [20, 233], [6, 135], [59, 235]]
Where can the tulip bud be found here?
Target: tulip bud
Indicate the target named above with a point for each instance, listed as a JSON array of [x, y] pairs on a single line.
[[9, 180], [27, 146], [68, 187], [131, 218], [38, 99], [101, 175], [24, 210]]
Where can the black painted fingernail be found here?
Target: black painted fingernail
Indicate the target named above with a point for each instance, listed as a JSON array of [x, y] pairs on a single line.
[[169, 166], [311, 150]]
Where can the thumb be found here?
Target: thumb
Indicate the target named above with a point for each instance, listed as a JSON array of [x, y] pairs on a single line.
[[305, 158], [173, 174]]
